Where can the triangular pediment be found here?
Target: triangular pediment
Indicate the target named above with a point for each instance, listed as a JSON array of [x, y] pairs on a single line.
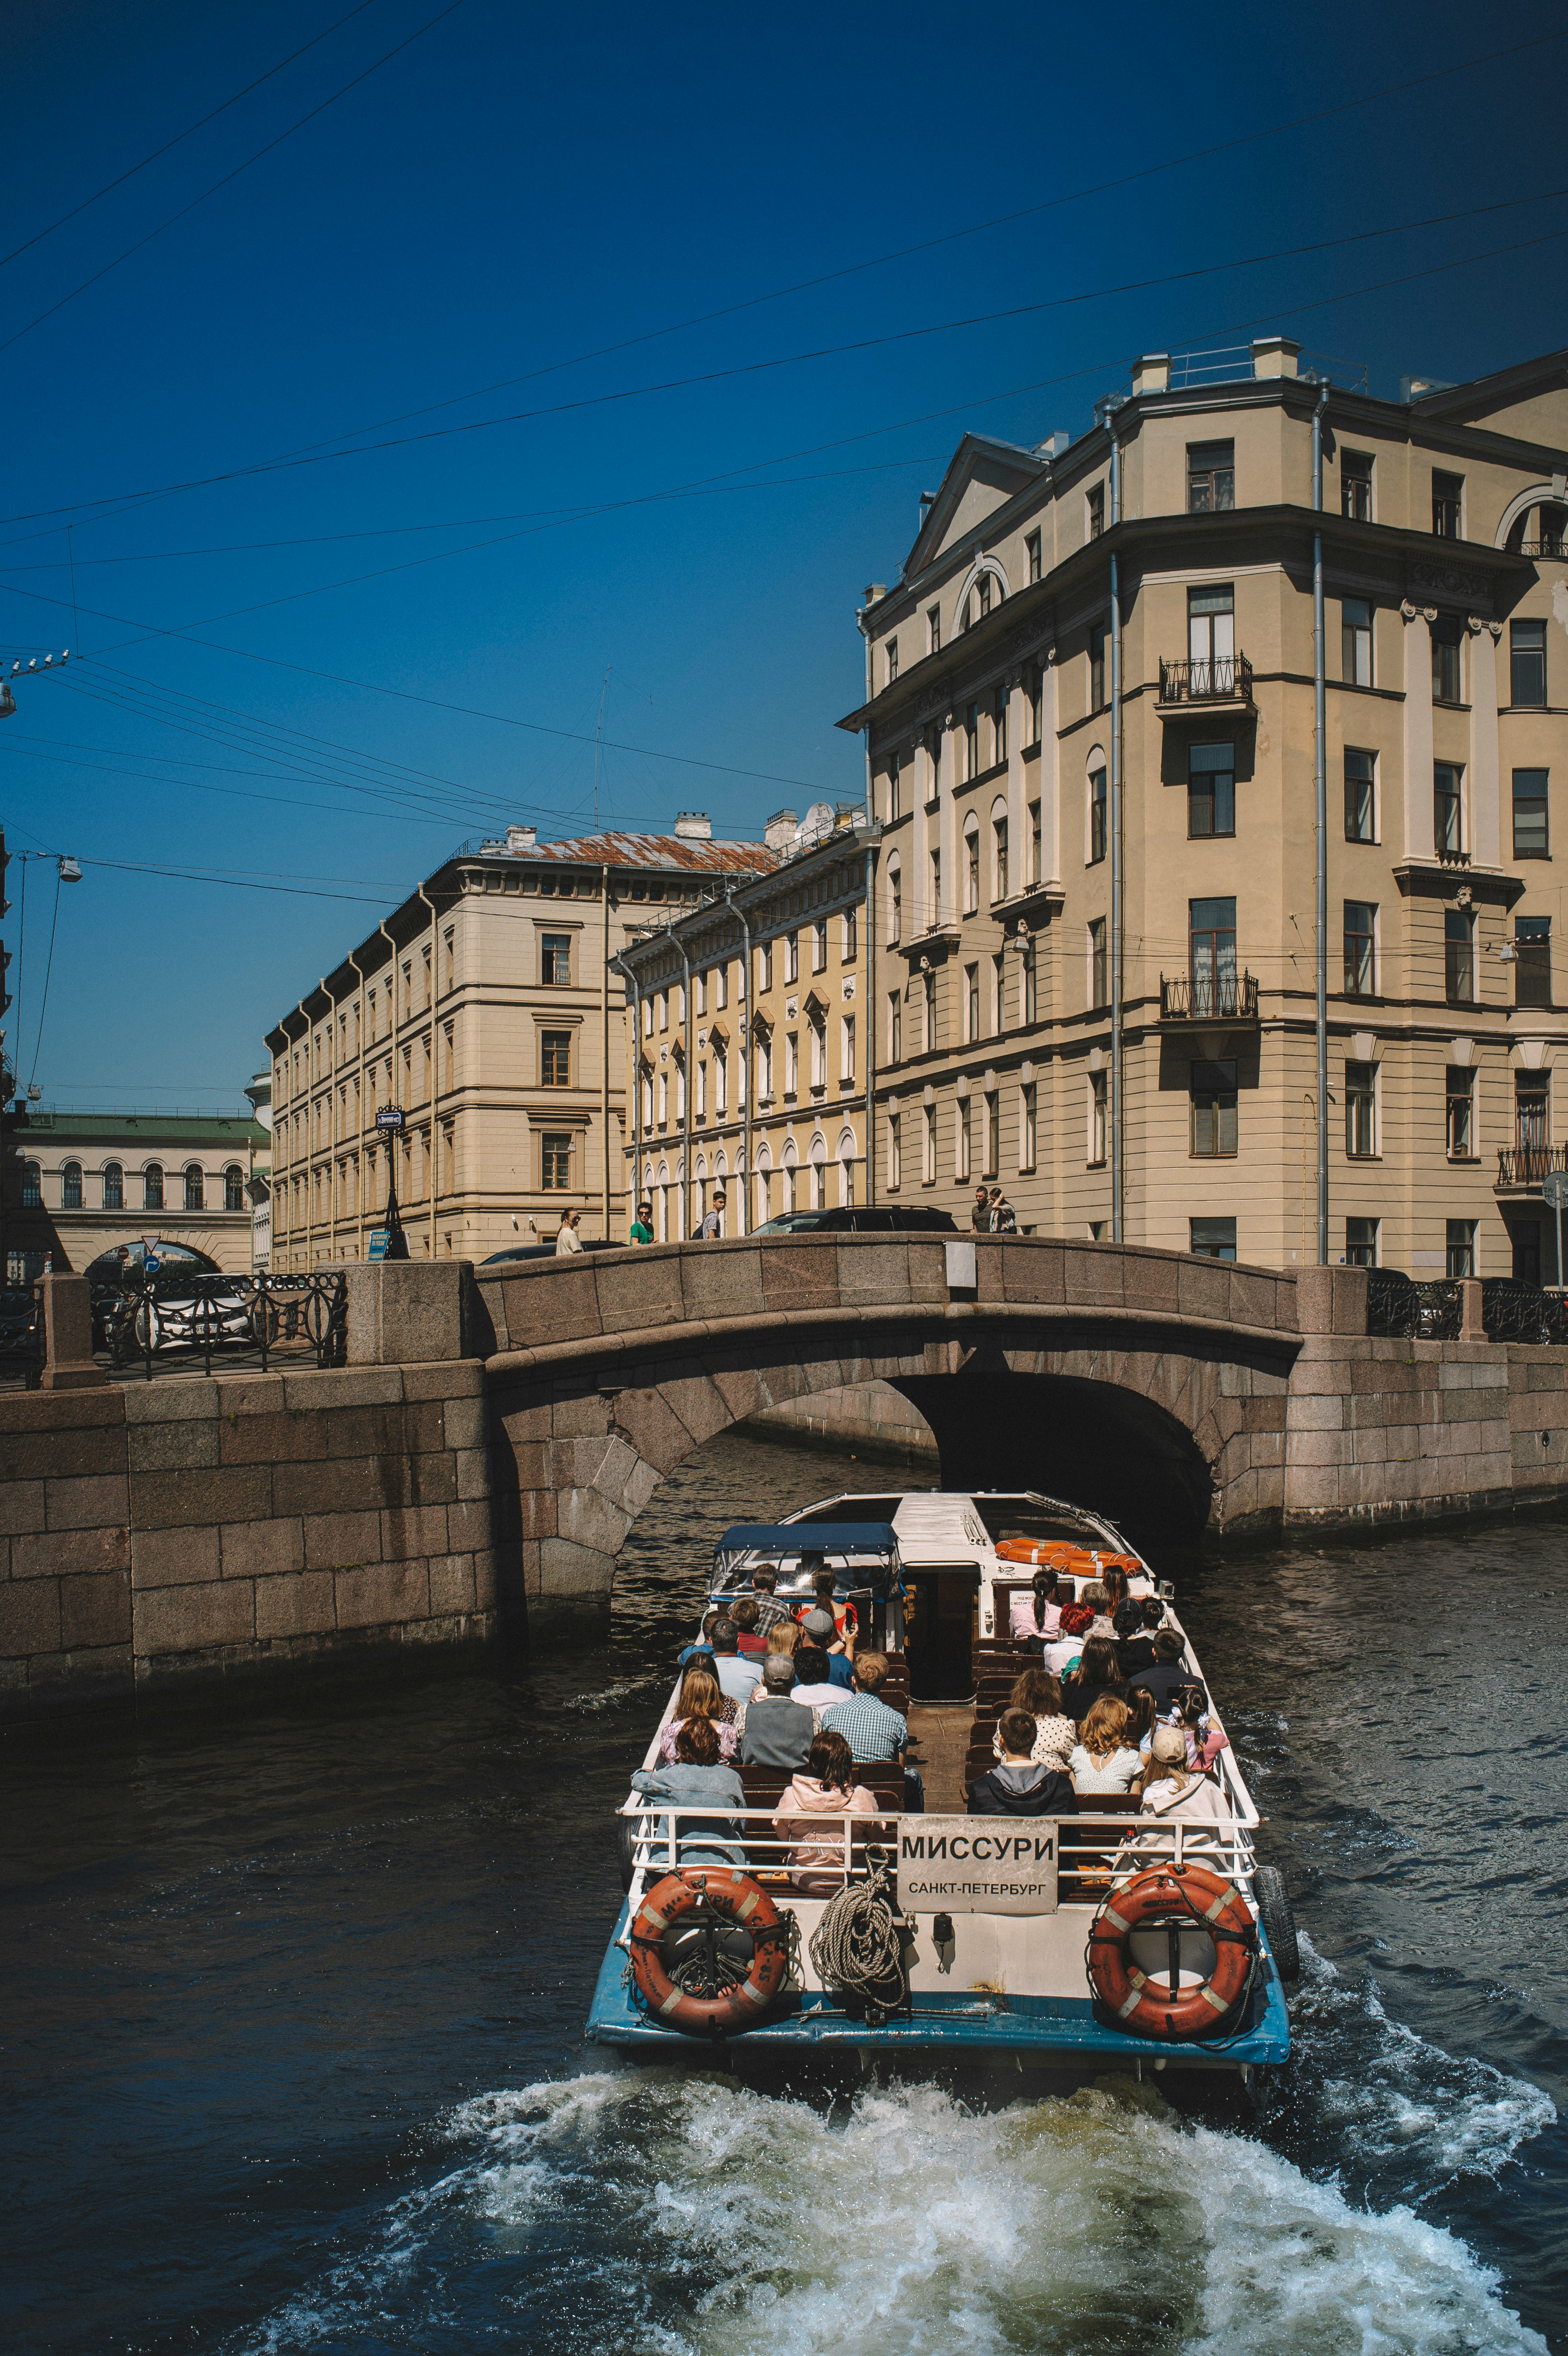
[[982, 475]]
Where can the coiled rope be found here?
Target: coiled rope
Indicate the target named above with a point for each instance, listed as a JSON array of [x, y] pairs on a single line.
[[857, 1948]]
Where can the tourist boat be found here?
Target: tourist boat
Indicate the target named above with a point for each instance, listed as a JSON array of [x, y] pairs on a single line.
[[1080, 1942]]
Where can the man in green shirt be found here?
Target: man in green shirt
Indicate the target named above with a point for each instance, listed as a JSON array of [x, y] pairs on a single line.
[[642, 1230]]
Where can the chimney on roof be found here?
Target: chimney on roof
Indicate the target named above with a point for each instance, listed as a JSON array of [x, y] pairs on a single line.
[[1275, 356], [1410, 388], [521, 839], [1053, 444], [875, 591], [693, 826], [779, 832], [1151, 373]]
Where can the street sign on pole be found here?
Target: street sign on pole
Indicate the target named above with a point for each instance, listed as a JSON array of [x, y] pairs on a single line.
[[391, 1117]]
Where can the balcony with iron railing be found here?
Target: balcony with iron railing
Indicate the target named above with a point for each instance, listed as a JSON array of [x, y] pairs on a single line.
[[1208, 998], [1524, 1169], [1204, 681]]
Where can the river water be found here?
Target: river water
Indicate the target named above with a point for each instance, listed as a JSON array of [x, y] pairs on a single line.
[[291, 2000]]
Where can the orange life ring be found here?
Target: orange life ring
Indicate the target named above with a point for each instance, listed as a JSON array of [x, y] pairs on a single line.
[[1172, 1899], [730, 2003], [1044, 1554]]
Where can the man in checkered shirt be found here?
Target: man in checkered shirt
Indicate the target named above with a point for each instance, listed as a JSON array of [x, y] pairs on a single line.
[[872, 1730], [769, 1613]]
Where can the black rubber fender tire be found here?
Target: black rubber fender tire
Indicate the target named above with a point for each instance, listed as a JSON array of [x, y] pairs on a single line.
[[1279, 1920], [626, 1847]]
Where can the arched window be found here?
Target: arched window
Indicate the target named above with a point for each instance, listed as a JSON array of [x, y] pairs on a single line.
[[895, 903], [999, 866], [70, 1185], [152, 1186], [113, 1186], [971, 867], [195, 1190], [32, 1186], [233, 1187]]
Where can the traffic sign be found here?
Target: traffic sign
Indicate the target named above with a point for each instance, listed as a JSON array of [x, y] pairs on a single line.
[[375, 1243], [389, 1117], [151, 1264], [1554, 1187], [151, 1243]]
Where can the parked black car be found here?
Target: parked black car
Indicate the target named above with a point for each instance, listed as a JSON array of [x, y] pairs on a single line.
[[548, 1251], [864, 1219]]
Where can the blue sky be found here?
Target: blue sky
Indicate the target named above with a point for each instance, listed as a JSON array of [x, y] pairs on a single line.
[[518, 190]]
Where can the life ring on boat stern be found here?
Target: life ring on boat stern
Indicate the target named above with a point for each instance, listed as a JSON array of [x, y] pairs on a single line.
[[1172, 1899], [709, 1950]]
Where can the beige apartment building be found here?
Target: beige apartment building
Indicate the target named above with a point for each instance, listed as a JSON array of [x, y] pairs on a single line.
[[748, 1037], [482, 1010], [1091, 721]]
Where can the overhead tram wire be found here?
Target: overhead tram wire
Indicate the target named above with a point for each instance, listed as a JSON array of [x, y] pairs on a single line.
[[418, 33], [1200, 155], [390, 815], [180, 136]]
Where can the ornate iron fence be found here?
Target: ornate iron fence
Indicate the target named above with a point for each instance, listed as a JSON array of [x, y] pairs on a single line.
[[1207, 679], [177, 1312], [1528, 1165], [1208, 998], [1512, 1311]]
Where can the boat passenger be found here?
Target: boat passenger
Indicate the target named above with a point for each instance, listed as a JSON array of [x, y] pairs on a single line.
[[1114, 1579], [1020, 1785], [846, 1619], [827, 1787], [871, 1729], [701, 1647], [1099, 1672], [1190, 1711], [700, 1697], [698, 1778], [1142, 1718], [819, 1629], [1036, 1617], [1061, 1657], [784, 1637], [776, 1731], [736, 1674], [814, 1686], [744, 1616], [1168, 1675], [1134, 1639], [1095, 1596], [1104, 1759], [1038, 1696], [1174, 1793], [765, 1584]]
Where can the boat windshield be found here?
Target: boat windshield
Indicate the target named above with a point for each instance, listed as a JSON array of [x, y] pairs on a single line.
[[863, 1556]]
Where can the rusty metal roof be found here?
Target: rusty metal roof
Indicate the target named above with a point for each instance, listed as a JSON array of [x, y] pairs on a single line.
[[646, 850]]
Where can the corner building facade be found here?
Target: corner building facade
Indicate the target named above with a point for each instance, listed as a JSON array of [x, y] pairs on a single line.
[[1101, 656]]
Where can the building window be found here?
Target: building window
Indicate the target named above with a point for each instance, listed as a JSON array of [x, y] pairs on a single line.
[[895, 909], [1361, 799], [1031, 551], [928, 1146], [1097, 667], [971, 742], [700, 988], [936, 887], [1036, 872], [1030, 1000], [1212, 1089], [32, 1186], [1212, 952], [961, 1141], [1000, 993], [1458, 956], [1210, 477], [893, 765], [1096, 816], [999, 858], [1099, 994], [233, 1187], [1461, 1247], [1360, 1243], [933, 630], [971, 1001], [1356, 484], [1360, 958], [1527, 665], [1355, 641], [934, 754], [70, 1185], [1213, 1238], [1027, 1131], [1532, 965], [999, 727], [819, 946], [1360, 1112], [195, 1189], [113, 1186], [1531, 1113], [895, 1026], [892, 661], [993, 1134], [153, 1187], [1094, 511], [555, 1059], [928, 994], [1447, 497], [555, 1161], [971, 867], [1447, 808], [1447, 684], [1531, 840], [1097, 1120], [1212, 639], [1211, 789], [1459, 1094], [791, 958], [555, 959], [851, 935], [895, 1155], [1034, 694], [847, 1044]]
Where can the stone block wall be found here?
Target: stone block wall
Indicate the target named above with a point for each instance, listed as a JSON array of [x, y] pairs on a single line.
[[188, 1527]]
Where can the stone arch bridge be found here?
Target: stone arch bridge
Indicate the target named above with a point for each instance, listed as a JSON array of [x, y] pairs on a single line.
[[1150, 1383]]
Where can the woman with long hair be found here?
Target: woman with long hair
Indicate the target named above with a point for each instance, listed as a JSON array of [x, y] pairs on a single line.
[[1103, 1759], [700, 1697], [1114, 1579], [784, 1637], [1036, 1617], [1099, 1672], [1037, 1693], [824, 1786]]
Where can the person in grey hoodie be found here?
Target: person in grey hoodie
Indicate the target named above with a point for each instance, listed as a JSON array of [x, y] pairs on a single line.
[[699, 1780], [1017, 1787]]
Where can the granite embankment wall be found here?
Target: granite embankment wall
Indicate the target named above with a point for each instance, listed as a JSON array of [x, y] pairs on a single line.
[[870, 1419]]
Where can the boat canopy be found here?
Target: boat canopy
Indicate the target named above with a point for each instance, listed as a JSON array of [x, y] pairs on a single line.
[[863, 1556]]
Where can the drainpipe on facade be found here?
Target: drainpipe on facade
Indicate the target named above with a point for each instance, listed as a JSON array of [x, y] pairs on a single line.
[[604, 1036], [330, 1158], [434, 1064], [686, 1089], [869, 1023], [304, 1042], [360, 1123], [392, 1034], [635, 1076], [1320, 709], [1118, 1162], [745, 1074]]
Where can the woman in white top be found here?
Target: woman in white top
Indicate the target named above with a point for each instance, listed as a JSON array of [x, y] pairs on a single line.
[[568, 1240], [1175, 1794], [1103, 1760], [1039, 1695]]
